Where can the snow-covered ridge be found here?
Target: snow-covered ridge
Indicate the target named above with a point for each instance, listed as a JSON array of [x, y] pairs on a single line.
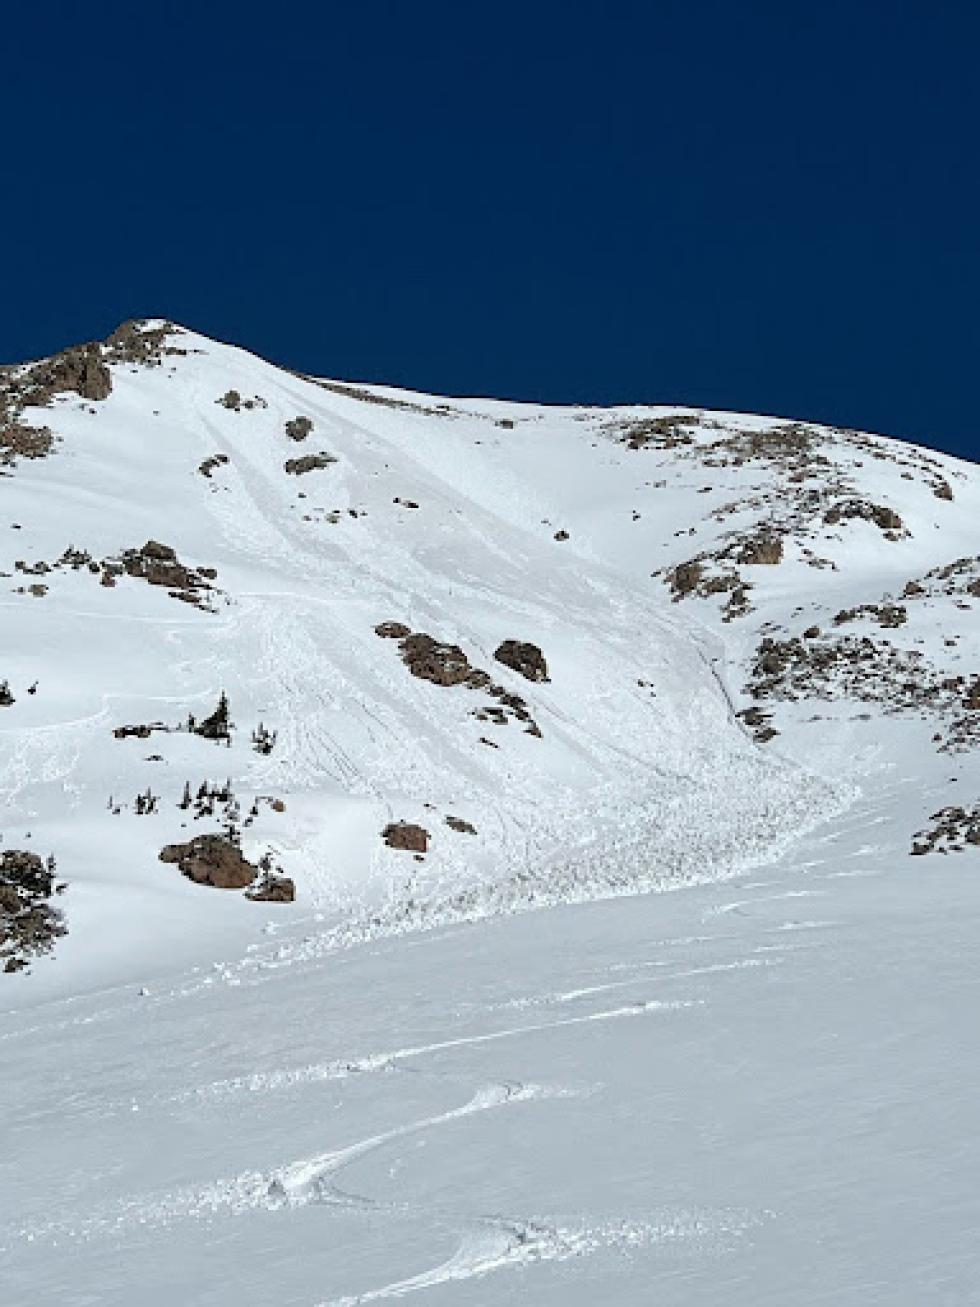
[[181, 519]]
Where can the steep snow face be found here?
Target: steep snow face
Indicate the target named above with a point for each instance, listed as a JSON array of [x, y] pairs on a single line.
[[739, 656], [205, 523]]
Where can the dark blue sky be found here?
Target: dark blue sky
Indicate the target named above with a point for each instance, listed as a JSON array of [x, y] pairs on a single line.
[[762, 206]]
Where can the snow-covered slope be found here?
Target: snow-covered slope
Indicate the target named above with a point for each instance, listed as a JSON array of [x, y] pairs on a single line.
[[753, 629]]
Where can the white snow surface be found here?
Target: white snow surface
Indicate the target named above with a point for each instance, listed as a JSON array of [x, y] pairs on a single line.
[[514, 1071]]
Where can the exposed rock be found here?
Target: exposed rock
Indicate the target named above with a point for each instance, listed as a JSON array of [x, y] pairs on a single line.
[[886, 519], [661, 432], [887, 615], [136, 342], [431, 660], [29, 926], [232, 400], [954, 829], [526, 659], [211, 860], [766, 548], [458, 824], [79, 369], [308, 463], [142, 731], [561, 536], [157, 564], [447, 665], [20, 441], [158, 552], [6, 698], [299, 428], [405, 835], [685, 578], [273, 889], [942, 490], [209, 464]]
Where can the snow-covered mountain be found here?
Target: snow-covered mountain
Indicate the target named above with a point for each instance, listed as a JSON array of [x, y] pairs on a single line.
[[413, 663]]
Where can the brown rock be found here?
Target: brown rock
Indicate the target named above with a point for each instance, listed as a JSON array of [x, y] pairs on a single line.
[[430, 660], [299, 428], [273, 889], [211, 860], [685, 578], [764, 548], [392, 630], [405, 835], [458, 824], [524, 658], [308, 463]]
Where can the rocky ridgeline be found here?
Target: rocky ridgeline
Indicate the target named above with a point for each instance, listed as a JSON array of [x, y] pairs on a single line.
[[813, 493], [82, 370]]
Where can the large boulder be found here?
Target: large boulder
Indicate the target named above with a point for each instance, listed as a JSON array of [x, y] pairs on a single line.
[[406, 835], [211, 860], [527, 659], [431, 660], [299, 428]]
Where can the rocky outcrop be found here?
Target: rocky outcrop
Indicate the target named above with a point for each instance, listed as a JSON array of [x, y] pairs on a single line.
[[158, 564], [392, 630], [273, 889], [135, 342], [299, 428], [209, 464], [405, 835], [524, 658], [885, 519], [29, 925], [685, 578], [20, 441], [953, 830], [763, 549], [308, 463], [461, 826], [431, 660], [211, 860], [447, 665], [79, 369]]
